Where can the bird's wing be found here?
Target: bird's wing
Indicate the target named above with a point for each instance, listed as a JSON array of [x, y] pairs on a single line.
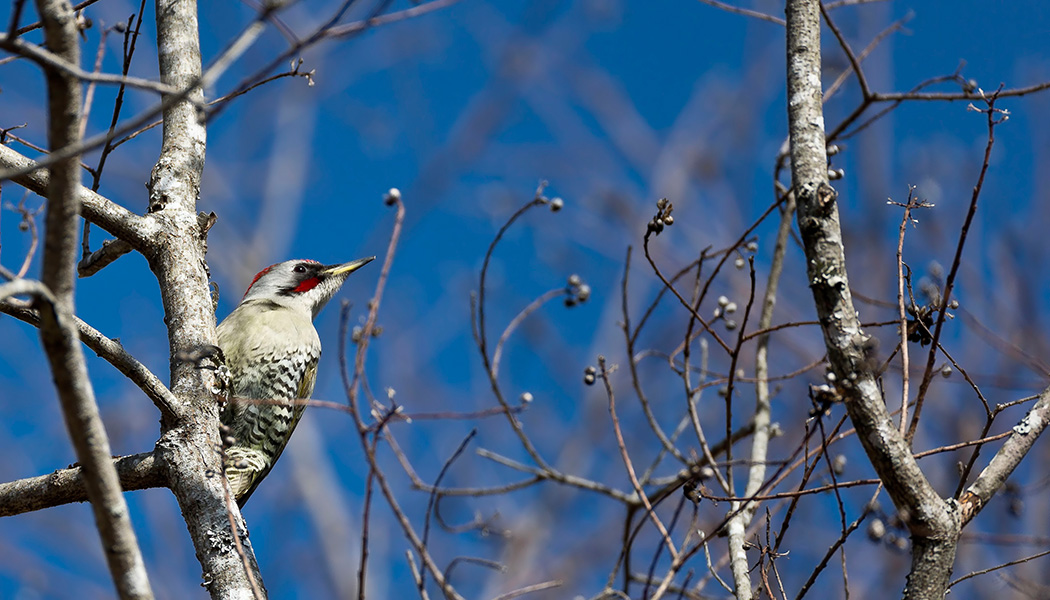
[[271, 426]]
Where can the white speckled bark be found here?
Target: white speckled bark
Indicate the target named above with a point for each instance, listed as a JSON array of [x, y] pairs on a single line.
[[933, 522]]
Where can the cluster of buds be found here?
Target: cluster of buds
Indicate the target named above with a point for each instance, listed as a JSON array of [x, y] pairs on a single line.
[[890, 531], [726, 307], [589, 375], [824, 395], [83, 24], [358, 332], [576, 291], [740, 261], [920, 323], [663, 217]]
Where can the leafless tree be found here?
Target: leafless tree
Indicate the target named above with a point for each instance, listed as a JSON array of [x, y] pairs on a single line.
[[679, 477]]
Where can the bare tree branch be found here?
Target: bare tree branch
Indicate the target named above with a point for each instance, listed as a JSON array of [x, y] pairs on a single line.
[[738, 525], [50, 60], [190, 442], [1007, 458], [112, 351], [110, 251], [65, 486], [115, 219], [57, 331], [934, 526]]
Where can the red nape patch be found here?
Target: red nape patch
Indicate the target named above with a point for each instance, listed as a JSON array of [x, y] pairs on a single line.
[[307, 285], [257, 276]]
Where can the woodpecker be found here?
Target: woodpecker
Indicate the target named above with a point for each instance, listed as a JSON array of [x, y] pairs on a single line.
[[271, 350]]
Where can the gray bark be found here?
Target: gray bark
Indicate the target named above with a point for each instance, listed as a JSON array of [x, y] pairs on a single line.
[[934, 523], [110, 216], [1012, 452], [190, 442], [57, 329], [65, 486]]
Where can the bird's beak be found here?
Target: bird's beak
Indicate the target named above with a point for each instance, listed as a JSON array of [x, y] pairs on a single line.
[[347, 268]]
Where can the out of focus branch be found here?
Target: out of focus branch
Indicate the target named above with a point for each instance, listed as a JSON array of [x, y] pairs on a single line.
[[47, 60], [739, 523], [57, 331]]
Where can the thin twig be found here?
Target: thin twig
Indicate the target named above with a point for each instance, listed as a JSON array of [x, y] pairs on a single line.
[[745, 11], [633, 365], [994, 117], [373, 309], [358, 26], [604, 374], [518, 320], [481, 336], [235, 531], [997, 567], [902, 313], [862, 80], [38, 24], [433, 496]]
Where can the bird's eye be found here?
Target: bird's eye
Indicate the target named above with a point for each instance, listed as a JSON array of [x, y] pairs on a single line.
[[300, 269]]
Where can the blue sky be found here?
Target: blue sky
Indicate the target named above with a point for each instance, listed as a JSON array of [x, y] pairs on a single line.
[[465, 110]]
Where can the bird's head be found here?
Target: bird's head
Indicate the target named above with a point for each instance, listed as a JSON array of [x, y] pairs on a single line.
[[302, 284]]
